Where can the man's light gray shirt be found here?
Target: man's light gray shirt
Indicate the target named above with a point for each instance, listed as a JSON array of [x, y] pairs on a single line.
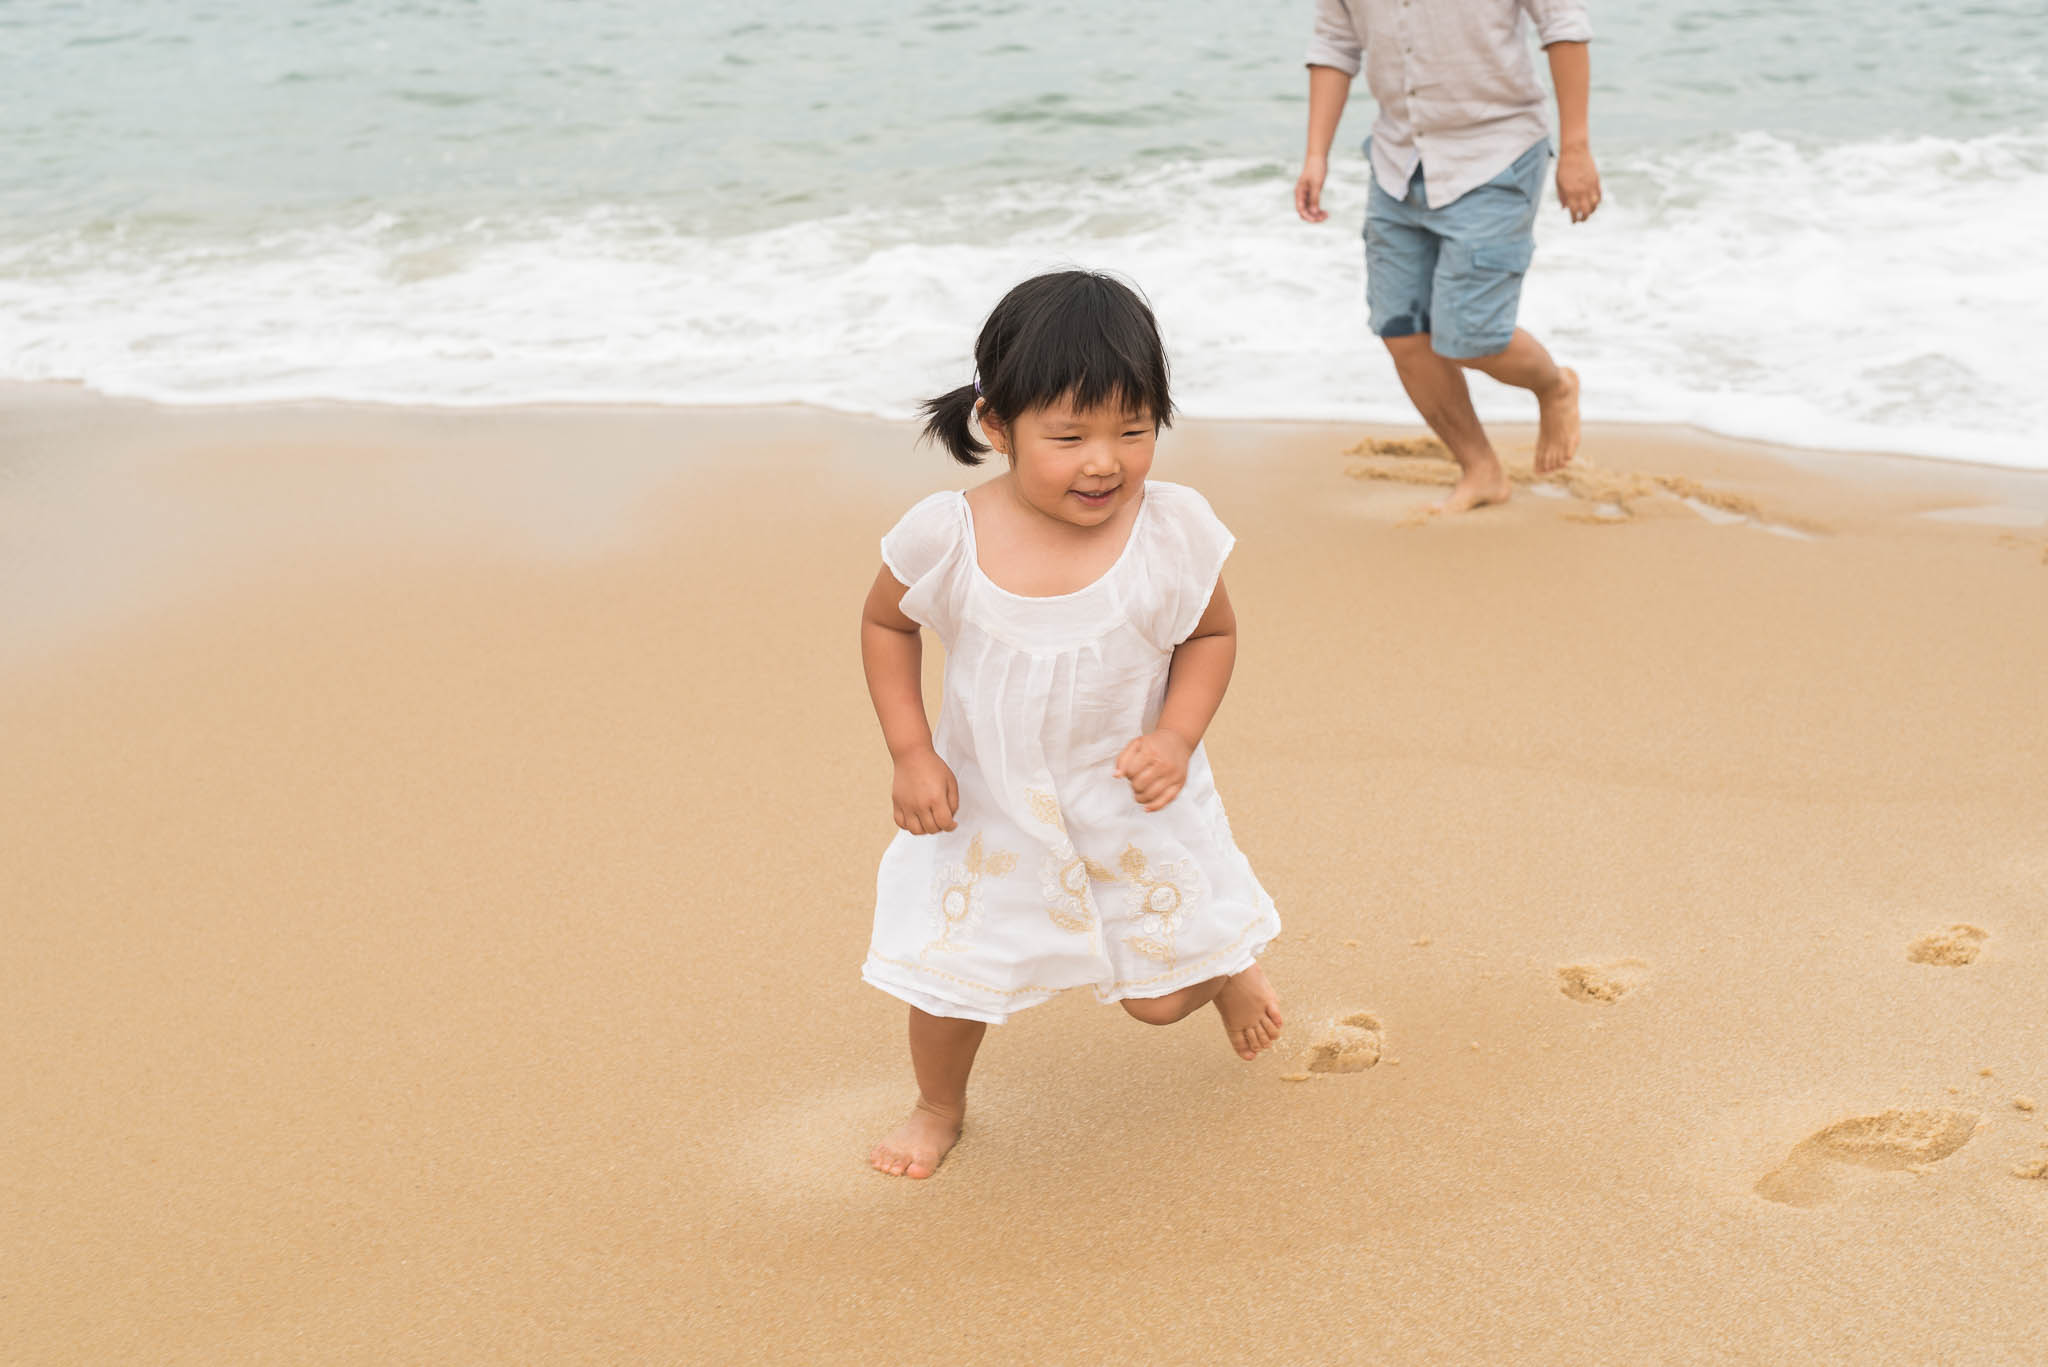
[[1454, 80]]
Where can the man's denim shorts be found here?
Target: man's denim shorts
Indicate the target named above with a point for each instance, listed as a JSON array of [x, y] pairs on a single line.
[[1455, 272]]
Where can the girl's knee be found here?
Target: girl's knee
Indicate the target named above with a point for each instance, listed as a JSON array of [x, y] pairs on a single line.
[[1156, 1010]]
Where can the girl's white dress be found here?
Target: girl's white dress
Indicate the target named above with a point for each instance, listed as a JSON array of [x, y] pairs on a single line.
[[1054, 876]]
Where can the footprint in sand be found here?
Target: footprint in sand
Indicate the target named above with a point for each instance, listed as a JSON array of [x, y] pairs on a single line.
[[1951, 948], [1605, 497], [1349, 1045], [1608, 982], [1890, 1141]]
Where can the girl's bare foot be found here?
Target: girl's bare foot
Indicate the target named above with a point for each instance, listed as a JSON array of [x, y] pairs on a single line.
[[1250, 1010], [917, 1146], [1557, 423]]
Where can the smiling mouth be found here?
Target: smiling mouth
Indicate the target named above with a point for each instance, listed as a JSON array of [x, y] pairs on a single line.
[[1095, 495]]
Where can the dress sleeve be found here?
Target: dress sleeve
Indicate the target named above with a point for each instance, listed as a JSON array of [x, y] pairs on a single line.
[[1188, 545], [923, 551]]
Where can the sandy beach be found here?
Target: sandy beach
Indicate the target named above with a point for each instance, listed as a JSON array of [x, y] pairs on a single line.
[[437, 851]]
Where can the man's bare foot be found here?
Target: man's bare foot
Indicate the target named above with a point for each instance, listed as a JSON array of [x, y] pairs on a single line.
[[1557, 423], [1250, 1010], [1476, 489], [917, 1146]]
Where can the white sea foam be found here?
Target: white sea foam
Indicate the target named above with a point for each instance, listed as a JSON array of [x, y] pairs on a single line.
[[1877, 295]]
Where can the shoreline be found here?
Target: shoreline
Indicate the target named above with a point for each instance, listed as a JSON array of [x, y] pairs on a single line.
[[93, 455], [30, 394]]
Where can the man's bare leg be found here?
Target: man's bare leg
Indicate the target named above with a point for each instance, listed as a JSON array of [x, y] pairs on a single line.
[[1437, 388], [942, 1055], [1527, 365]]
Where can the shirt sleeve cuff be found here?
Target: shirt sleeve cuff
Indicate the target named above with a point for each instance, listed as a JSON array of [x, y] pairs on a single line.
[[1329, 54], [1565, 28]]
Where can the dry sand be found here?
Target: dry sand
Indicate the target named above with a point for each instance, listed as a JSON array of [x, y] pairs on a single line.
[[438, 851]]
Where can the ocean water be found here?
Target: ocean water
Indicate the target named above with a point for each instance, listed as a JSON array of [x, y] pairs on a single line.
[[1825, 224]]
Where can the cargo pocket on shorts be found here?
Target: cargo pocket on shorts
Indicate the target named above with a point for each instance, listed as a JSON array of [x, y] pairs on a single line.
[[1512, 256], [1478, 293]]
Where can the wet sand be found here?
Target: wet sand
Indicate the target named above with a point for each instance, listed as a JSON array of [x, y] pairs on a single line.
[[438, 849]]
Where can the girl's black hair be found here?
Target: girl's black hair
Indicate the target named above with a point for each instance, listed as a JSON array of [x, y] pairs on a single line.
[[1078, 336]]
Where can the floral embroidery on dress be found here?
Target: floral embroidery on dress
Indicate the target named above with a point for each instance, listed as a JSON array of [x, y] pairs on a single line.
[[1159, 902], [958, 895], [1065, 874]]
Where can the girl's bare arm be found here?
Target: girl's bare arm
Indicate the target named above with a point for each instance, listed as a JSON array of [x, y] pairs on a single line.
[[924, 793], [1157, 764]]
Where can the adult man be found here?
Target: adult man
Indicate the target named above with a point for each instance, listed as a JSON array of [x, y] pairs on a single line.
[[1458, 155]]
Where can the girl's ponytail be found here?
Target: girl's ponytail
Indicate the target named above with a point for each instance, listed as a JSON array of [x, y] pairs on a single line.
[[1072, 337], [949, 419]]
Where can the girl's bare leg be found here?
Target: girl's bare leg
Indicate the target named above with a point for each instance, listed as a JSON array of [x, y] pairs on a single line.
[[942, 1055], [1246, 1001]]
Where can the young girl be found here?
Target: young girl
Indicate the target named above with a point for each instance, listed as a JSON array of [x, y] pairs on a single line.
[[1062, 829]]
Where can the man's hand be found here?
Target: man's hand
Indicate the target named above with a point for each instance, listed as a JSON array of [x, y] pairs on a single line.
[[1157, 766], [925, 793], [1308, 191], [1578, 183]]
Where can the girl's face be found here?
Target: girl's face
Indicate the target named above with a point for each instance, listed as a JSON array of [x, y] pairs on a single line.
[[1080, 466]]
